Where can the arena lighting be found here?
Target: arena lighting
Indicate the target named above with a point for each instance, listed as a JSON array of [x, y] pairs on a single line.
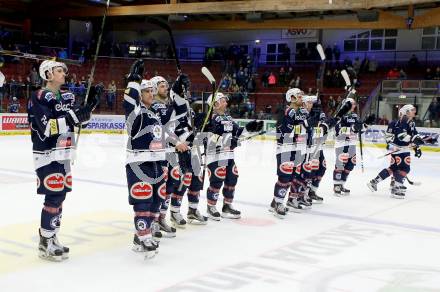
[[257, 41]]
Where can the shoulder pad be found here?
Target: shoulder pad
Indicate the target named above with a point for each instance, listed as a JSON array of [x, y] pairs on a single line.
[[217, 118], [290, 112], [67, 95], [48, 95]]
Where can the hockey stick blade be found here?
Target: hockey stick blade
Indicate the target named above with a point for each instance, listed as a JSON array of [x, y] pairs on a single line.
[[320, 51], [346, 78], [208, 75]]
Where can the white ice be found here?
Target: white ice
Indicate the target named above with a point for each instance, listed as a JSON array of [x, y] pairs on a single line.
[[364, 242]]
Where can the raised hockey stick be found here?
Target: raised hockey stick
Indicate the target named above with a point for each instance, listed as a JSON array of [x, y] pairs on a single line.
[[252, 136], [95, 58], [38, 57]]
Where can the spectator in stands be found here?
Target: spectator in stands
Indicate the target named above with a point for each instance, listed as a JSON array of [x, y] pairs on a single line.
[[272, 80], [383, 121], [336, 79], [14, 106], [111, 95], [437, 73], [402, 74], [62, 54], [331, 103], [428, 74], [289, 75], [372, 65], [434, 111], [33, 77], [413, 62], [297, 83], [336, 52], [393, 73], [265, 78], [251, 85], [328, 78], [347, 62], [328, 52], [364, 65], [357, 65], [226, 83], [282, 77]]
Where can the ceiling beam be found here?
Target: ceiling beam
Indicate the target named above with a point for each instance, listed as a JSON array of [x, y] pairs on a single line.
[[387, 20], [213, 7]]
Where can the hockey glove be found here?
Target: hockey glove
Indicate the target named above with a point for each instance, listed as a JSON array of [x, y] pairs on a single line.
[[181, 85], [357, 127], [235, 142], [254, 126], [92, 100], [417, 140], [136, 71], [324, 128], [417, 152], [370, 119], [345, 108], [78, 115]]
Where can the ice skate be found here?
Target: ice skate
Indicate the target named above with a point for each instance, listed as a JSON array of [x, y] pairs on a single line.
[[194, 217]]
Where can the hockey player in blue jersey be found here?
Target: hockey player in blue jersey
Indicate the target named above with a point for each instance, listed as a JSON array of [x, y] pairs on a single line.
[[291, 145], [401, 136], [222, 171], [346, 135], [52, 115], [163, 106]]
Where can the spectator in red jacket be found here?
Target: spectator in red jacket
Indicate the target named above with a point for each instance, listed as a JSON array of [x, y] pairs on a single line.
[[272, 80], [393, 73]]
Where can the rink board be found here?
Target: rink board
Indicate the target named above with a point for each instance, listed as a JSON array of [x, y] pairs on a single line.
[[16, 124]]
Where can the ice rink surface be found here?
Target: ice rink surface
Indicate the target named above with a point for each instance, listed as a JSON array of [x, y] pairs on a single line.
[[364, 242]]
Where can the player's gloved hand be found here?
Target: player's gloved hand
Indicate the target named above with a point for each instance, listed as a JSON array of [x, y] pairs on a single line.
[[181, 85], [417, 152], [136, 71], [417, 140], [92, 100], [324, 128], [78, 115], [357, 127], [235, 142], [254, 126], [182, 147], [370, 119], [345, 108]]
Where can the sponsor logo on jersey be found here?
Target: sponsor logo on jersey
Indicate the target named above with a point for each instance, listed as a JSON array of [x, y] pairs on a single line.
[[165, 173], [220, 172], [235, 170], [54, 222], [68, 180], [307, 167], [141, 191], [209, 173], [157, 132], [62, 107], [408, 160], [324, 163], [175, 173], [54, 182], [65, 142], [392, 160], [298, 169], [398, 160], [343, 157], [162, 192], [187, 179], [287, 167], [314, 163], [38, 182]]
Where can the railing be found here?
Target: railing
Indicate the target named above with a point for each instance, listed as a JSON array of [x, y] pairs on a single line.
[[426, 87]]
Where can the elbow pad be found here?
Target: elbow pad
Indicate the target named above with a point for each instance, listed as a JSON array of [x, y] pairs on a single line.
[[404, 137]]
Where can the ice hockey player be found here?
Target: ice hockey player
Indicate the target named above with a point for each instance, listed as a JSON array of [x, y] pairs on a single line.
[[222, 171], [401, 137], [346, 132], [163, 108], [52, 116], [190, 163], [317, 162], [291, 137]]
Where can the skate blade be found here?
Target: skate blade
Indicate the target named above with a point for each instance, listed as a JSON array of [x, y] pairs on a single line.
[[150, 254], [318, 202], [230, 216], [180, 226], [294, 210], [397, 197], [50, 258], [198, 222], [213, 218], [371, 188], [168, 234]]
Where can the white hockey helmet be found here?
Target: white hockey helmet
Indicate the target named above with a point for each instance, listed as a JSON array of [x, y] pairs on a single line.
[[147, 84], [404, 110], [310, 98], [48, 66], [156, 81], [295, 92], [218, 96]]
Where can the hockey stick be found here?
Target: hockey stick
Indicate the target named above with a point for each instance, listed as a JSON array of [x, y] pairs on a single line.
[[92, 73], [415, 183], [252, 136], [38, 57]]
